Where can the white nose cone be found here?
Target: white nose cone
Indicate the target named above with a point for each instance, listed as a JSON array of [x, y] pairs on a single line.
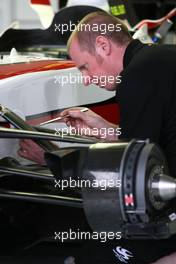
[[44, 11]]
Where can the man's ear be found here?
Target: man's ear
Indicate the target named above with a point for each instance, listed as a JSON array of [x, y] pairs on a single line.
[[102, 46]]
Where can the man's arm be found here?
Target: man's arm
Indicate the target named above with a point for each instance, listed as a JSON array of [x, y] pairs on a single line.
[[85, 123], [90, 124]]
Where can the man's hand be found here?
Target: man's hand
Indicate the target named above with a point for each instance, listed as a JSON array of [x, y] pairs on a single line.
[[31, 151], [90, 124]]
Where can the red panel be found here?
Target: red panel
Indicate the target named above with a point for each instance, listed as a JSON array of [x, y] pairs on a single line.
[[40, 2], [109, 112], [21, 68]]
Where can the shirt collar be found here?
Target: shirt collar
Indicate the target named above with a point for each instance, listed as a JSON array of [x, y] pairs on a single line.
[[133, 47]]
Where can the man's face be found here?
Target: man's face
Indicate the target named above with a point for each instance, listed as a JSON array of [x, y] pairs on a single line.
[[96, 69]]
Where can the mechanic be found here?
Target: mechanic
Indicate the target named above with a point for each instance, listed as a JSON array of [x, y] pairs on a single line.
[[146, 96]]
